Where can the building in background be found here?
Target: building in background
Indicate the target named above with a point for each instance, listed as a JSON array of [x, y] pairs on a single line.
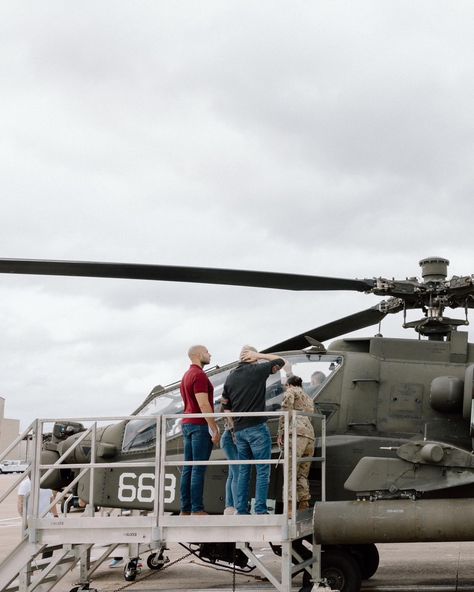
[[9, 431]]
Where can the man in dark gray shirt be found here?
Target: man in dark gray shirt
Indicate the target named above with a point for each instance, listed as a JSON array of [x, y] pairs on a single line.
[[244, 391]]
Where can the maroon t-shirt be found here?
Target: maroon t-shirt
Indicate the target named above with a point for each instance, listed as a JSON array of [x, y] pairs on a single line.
[[195, 381]]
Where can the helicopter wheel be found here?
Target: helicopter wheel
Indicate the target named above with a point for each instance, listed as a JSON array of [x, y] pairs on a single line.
[[156, 560], [367, 557], [341, 571]]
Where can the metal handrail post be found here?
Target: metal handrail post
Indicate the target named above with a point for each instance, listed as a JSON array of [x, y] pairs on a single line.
[[35, 479], [158, 468], [323, 462], [161, 489], [316, 566], [286, 448], [294, 467], [92, 468]]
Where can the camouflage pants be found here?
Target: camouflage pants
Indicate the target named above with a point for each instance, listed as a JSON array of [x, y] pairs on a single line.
[[304, 447]]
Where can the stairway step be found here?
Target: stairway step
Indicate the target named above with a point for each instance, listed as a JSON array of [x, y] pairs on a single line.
[[15, 587], [38, 564]]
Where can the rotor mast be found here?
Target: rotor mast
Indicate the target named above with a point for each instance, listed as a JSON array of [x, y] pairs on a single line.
[[434, 271]]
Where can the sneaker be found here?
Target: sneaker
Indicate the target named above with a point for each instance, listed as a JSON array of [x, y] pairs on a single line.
[[185, 513], [116, 562], [230, 510], [201, 513]]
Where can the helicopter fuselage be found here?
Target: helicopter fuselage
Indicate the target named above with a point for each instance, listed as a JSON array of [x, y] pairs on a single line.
[[379, 396]]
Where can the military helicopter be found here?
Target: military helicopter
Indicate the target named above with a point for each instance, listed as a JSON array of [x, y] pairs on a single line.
[[399, 411]]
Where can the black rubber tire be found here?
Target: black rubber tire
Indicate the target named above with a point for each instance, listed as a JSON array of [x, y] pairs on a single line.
[[367, 556], [341, 571], [129, 573], [155, 561]]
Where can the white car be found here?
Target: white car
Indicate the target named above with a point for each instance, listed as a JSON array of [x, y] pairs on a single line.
[[13, 466]]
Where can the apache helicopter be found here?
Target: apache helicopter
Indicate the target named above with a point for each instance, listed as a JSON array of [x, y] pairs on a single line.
[[399, 411]]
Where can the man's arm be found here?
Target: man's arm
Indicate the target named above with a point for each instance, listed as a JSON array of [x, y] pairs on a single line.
[[203, 402], [251, 356]]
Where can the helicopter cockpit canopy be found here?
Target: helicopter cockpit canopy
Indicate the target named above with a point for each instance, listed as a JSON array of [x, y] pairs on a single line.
[[316, 369]]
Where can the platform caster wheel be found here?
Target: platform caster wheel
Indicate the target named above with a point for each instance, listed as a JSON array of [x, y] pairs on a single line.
[[156, 560], [131, 570], [341, 571]]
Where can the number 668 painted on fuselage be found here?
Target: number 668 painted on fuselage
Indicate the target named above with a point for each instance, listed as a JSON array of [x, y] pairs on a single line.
[[141, 487]]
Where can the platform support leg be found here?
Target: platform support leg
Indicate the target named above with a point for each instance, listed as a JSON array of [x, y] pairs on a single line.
[[316, 567], [133, 550], [261, 567], [84, 554], [286, 566], [24, 578]]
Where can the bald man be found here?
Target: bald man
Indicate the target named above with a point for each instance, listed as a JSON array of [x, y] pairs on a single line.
[[199, 433]]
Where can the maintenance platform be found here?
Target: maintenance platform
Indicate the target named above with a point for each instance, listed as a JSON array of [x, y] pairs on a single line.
[[84, 541]]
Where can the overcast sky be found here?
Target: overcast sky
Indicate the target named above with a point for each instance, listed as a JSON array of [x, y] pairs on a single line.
[[330, 138]]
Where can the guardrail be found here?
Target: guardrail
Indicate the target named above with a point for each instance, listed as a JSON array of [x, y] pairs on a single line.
[[40, 471], [155, 529]]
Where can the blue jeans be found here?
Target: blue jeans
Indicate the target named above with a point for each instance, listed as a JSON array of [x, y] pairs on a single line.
[[230, 449], [197, 446], [254, 443]]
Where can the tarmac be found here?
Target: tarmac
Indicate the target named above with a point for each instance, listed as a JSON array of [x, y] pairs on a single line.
[[421, 567]]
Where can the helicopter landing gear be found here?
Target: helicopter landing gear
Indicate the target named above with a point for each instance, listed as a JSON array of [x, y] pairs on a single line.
[[367, 557], [157, 560], [131, 570], [340, 570]]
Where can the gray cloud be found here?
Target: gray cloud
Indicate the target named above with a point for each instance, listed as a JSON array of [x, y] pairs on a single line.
[[331, 139]]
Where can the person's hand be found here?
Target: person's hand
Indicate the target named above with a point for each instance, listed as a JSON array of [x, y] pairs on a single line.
[[216, 437], [249, 356], [280, 442]]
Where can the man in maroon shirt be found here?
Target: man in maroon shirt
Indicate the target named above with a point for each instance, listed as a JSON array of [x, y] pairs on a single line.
[[199, 433]]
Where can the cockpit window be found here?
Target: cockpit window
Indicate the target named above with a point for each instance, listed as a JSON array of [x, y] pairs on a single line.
[[314, 369]]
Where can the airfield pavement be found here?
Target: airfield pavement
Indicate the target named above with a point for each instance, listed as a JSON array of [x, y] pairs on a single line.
[[421, 567]]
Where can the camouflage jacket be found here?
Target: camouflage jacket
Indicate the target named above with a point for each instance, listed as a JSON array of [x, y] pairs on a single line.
[[295, 398]]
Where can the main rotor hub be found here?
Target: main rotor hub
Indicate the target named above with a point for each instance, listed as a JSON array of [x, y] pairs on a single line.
[[434, 269]]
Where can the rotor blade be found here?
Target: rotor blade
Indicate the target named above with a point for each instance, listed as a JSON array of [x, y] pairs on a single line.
[[173, 273], [359, 320]]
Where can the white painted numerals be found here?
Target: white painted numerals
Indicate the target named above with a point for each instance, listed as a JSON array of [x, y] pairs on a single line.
[[142, 487], [170, 488]]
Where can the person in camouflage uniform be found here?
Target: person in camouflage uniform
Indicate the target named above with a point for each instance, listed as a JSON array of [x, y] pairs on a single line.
[[296, 399]]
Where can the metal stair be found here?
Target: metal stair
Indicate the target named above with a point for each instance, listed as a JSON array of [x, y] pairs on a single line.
[[24, 570]]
